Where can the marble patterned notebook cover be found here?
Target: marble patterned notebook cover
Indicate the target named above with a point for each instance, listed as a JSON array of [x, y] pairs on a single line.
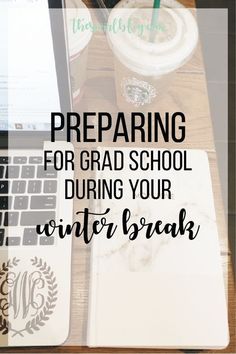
[[162, 292]]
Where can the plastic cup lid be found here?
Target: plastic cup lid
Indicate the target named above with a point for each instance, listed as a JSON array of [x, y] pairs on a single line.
[[146, 57], [79, 26]]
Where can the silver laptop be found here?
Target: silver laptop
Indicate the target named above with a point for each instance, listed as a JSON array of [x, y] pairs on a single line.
[[35, 270]]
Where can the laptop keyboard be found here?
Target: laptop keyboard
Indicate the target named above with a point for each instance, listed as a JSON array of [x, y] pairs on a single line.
[[27, 198]]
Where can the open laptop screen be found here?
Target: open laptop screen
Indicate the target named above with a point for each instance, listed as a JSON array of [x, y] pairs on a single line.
[[28, 79]]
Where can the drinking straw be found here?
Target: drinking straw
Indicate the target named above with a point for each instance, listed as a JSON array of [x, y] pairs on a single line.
[[156, 6]]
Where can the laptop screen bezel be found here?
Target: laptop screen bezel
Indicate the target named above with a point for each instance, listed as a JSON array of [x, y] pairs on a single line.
[[25, 139]]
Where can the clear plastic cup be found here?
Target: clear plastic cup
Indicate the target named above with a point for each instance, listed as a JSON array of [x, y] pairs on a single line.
[[79, 36], [147, 55]]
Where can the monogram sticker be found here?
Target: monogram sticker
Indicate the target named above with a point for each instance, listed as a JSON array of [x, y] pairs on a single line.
[[26, 297], [137, 92]]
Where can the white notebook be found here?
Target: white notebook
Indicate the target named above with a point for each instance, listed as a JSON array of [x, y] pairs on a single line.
[[163, 292]]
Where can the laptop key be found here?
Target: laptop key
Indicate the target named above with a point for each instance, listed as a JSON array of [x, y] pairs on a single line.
[[0, 218], [12, 241], [35, 159], [11, 218], [18, 187], [5, 203], [30, 237], [46, 240], [28, 172], [21, 202], [1, 171], [5, 159], [20, 160], [33, 218], [49, 173], [4, 187], [43, 202], [2, 233], [50, 186], [34, 187], [12, 171]]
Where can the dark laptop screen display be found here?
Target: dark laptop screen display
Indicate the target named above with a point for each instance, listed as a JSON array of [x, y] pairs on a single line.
[[28, 79]]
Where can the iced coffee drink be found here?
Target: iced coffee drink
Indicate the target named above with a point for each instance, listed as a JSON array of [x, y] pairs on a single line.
[[147, 53]]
